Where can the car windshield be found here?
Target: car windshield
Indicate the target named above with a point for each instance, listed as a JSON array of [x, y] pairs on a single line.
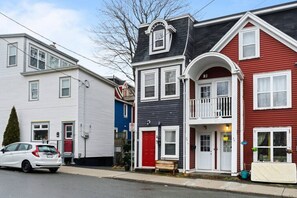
[[47, 149]]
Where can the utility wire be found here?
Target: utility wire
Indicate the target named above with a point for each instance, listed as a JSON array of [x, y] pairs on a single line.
[[203, 7], [46, 65], [1, 13]]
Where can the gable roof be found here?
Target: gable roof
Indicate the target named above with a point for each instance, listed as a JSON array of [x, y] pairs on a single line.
[[263, 25]]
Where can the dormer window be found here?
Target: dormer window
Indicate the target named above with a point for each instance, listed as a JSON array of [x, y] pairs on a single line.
[[160, 36], [159, 39]]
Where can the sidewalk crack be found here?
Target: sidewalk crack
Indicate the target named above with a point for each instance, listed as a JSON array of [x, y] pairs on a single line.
[[283, 192]]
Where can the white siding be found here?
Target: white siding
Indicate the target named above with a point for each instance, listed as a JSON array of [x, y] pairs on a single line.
[[99, 114]]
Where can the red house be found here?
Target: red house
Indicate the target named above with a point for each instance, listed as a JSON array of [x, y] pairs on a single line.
[[217, 95]]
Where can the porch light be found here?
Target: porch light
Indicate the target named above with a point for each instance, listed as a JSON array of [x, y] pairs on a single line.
[[227, 128]]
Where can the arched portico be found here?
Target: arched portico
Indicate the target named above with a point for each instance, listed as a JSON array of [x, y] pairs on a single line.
[[211, 114]]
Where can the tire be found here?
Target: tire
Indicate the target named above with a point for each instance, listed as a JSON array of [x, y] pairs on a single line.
[[53, 170], [26, 166]]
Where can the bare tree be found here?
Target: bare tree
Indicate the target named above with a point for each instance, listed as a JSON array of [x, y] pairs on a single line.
[[117, 31]]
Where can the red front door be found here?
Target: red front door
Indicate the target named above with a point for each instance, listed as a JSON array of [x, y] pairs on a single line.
[[192, 148], [68, 138], [148, 148]]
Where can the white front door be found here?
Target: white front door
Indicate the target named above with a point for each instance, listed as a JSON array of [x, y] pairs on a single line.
[[204, 154], [226, 149]]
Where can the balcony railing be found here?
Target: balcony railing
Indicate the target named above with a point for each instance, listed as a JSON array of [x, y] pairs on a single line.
[[210, 108]]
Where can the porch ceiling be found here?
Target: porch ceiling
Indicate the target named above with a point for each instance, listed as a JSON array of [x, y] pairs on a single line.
[[208, 60]]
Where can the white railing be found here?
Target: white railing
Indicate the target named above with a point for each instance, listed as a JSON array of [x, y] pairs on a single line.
[[210, 107]]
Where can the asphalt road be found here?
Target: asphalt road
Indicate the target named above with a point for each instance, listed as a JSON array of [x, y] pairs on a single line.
[[42, 184]]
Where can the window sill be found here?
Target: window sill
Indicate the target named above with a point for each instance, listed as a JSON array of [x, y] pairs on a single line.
[[148, 99], [166, 157], [272, 108], [249, 58], [170, 97]]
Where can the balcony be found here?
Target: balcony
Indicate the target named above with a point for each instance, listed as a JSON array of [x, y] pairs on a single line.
[[210, 108]]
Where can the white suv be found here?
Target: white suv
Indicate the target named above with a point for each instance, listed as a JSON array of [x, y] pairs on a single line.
[[28, 156]]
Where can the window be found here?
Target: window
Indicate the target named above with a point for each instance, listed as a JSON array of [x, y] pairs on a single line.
[[125, 110], [249, 43], [170, 83], [33, 90], [54, 62], [149, 85], [159, 39], [65, 87], [170, 142], [272, 90], [65, 63], [160, 36], [222, 88], [12, 54], [40, 131], [272, 144], [24, 147], [68, 131], [37, 58], [11, 147]]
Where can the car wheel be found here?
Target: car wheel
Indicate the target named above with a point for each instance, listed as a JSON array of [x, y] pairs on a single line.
[[53, 170], [26, 166]]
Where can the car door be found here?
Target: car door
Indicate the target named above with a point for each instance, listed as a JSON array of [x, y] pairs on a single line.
[[21, 154], [8, 155]]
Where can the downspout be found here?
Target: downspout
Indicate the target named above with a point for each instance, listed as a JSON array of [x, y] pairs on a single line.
[[184, 101]]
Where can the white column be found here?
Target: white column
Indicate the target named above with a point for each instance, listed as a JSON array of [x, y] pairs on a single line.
[[187, 127], [135, 121], [234, 125], [241, 126]]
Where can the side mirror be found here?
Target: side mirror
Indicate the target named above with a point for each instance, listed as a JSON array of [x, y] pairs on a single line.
[[3, 150]]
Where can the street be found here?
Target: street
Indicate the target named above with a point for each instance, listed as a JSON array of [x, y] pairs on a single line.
[[15, 184]]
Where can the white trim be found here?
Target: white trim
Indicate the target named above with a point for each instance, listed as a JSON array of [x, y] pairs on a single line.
[[156, 83], [241, 127], [171, 19], [187, 125], [234, 84], [30, 90], [125, 110], [271, 130], [257, 42], [237, 16], [271, 75], [263, 25], [177, 82], [136, 140], [159, 61], [141, 129], [163, 131]]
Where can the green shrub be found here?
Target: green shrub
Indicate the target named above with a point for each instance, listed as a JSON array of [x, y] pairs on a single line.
[[12, 131]]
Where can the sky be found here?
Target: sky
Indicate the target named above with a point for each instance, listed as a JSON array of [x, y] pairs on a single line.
[[69, 22]]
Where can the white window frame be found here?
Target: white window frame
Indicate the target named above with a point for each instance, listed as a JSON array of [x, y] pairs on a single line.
[[125, 110], [272, 130], [271, 75], [30, 90], [14, 45], [155, 48], [163, 131], [155, 97], [37, 58], [61, 88], [177, 82], [257, 42], [49, 62], [40, 128]]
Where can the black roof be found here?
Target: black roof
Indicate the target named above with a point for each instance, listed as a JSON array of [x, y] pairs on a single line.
[[203, 38]]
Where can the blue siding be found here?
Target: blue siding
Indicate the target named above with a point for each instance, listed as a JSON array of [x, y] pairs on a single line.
[[121, 122]]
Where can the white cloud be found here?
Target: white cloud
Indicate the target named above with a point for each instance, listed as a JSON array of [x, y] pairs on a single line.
[[67, 27]]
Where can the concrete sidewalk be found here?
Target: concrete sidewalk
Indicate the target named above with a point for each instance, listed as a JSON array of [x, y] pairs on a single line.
[[184, 182]]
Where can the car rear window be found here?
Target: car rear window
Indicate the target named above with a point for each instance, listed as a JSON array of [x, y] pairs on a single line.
[[47, 149]]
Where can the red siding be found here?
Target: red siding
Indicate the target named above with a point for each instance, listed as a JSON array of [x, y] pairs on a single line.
[[274, 56], [192, 89], [215, 72], [192, 148]]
